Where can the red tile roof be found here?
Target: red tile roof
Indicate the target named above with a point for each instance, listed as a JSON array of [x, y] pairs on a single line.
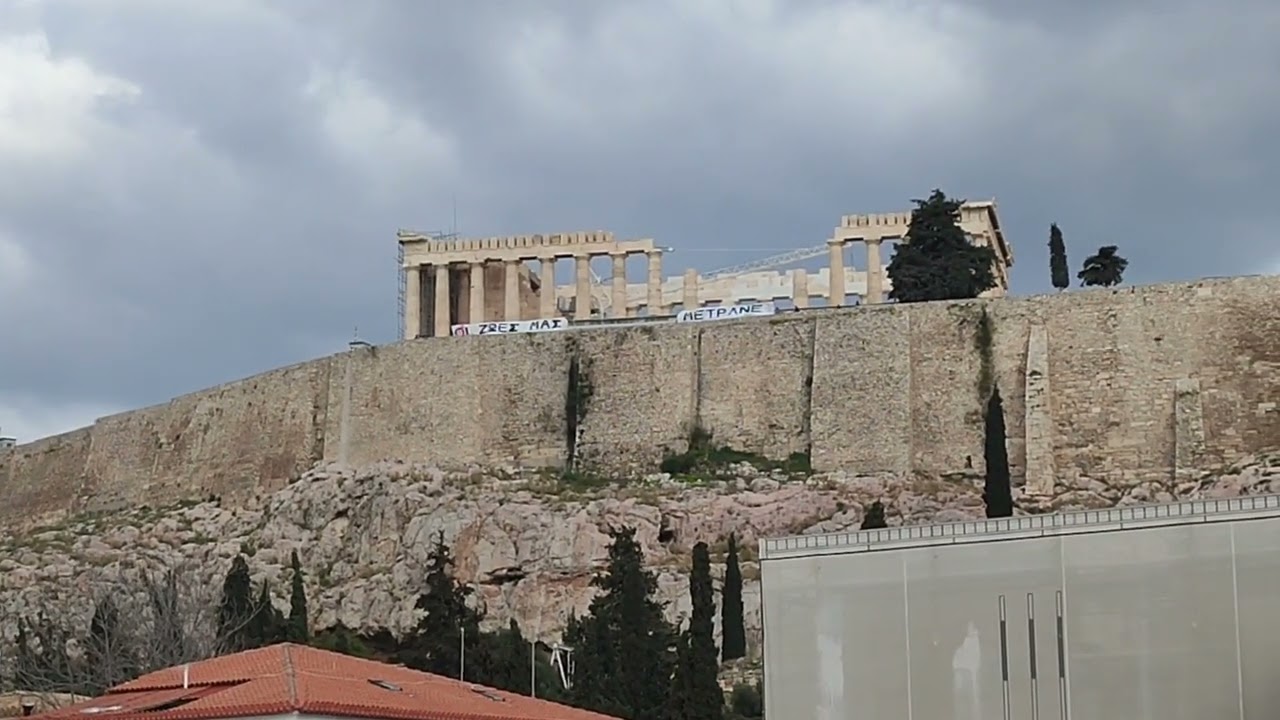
[[290, 678]]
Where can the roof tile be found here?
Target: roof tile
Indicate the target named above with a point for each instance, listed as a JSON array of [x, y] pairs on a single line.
[[288, 678]]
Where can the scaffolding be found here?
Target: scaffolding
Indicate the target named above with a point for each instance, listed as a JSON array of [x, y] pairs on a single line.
[[402, 281]]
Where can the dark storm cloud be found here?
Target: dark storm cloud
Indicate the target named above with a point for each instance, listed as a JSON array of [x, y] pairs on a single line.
[[234, 206]]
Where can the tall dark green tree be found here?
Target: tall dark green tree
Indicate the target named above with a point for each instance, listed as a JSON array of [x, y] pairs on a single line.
[[435, 645], [874, 518], [732, 625], [297, 630], [624, 648], [1058, 271], [695, 692], [267, 625], [502, 660], [236, 610], [1104, 268], [997, 492], [936, 261]]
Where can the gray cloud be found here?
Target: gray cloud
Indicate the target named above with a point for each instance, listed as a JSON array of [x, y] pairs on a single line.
[[194, 195]]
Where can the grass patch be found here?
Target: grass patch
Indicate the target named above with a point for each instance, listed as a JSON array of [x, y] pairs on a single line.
[[705, 458]]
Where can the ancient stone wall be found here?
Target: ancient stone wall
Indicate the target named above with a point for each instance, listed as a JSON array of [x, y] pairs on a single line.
[[1127, 385]]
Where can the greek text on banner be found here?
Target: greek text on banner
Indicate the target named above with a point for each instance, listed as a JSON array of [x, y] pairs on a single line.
[[726, 312], [509, 327]]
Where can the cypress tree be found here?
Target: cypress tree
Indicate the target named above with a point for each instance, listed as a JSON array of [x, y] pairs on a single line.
[[696, 694], [997, 493], [297, 630], [267, 625], [1058, 271], [936, 261], [236, 610], [732, 625], [874, 518]]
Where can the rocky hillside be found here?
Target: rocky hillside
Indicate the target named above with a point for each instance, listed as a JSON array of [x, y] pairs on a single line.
[[529, 543]]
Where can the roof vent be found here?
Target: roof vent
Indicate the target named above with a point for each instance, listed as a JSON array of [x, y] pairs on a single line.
[[384, 685], [487, 693]]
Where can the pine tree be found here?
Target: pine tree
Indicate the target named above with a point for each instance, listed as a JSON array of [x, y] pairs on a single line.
[[696, 693], [624, 647], [1058, 271], [1104, 268], [874, 518], [298, 631], [733, 628], [997, 492], [236, 610], [936, 261], [436, 643]]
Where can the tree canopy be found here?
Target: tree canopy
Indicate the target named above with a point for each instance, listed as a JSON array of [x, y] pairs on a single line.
[[1104, 268], [936, 261], [624, 646]]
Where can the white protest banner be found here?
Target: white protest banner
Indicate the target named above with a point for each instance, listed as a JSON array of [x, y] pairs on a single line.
[[510, 327], [726, 312]]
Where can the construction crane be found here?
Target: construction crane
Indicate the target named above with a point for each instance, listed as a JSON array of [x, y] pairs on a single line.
[[603, 298]]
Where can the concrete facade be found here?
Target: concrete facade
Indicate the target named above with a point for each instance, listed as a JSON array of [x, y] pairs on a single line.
[[1161, 611], [1131, 385]]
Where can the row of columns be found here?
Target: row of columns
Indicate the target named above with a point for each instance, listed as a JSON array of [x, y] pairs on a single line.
[[875, 271], [511, 290]]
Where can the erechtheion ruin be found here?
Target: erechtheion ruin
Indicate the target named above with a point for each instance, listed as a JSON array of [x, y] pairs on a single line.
[[483, 280]]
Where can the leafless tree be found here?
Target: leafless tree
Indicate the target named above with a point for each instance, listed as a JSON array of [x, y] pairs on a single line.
[[137, 624]]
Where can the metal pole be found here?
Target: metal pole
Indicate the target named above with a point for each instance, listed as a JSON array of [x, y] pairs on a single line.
[[533, 668], [462, 656]]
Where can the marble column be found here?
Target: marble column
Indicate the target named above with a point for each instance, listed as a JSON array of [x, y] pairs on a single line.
[[412, 302], [619, 300], [800, 288], [875, 273], [690, 299], [441, 313], [511, 290], [476, 313], [547, 291], [582, 290], [655, 284], [835, 251]]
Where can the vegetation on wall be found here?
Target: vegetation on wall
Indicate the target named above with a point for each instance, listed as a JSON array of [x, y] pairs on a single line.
[[1104, 268], [997, 491], [984, 342], [577, 398], [704, 457], [1058, 272], [936, 261]]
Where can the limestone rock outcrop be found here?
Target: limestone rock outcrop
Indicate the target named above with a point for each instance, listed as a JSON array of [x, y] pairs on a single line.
[[527, 543]]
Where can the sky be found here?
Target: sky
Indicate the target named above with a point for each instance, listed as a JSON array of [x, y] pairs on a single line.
[[194, 192]]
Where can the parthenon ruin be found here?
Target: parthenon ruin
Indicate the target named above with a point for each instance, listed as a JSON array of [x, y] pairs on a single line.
[[460, 281]]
